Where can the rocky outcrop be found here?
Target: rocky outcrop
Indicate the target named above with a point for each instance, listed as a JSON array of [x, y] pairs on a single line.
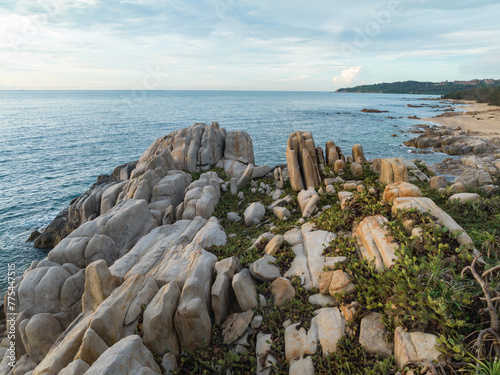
[[451, 142], [302, 161], [157, 178]]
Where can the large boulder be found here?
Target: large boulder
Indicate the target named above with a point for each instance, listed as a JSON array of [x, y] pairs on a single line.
[[222, 291], [400, 189], [192, 319], [254, 213], [158, 323], [374, 241], [393, 170], [357, 154], [302, 161]]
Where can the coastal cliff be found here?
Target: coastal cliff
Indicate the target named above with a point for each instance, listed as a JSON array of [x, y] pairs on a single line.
[[195, 260]]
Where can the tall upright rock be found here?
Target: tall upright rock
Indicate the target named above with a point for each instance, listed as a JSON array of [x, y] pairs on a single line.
[[302, 161]]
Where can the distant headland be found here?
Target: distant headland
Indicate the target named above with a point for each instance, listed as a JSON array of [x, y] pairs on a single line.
[[426, 88]]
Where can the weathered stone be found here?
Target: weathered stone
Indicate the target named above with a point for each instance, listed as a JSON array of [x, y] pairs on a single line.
[[234, 217], [127, 357], [245, 290], [235, 326], [92, 347], [344, 197], [274, 245], [264, 269], [42, 330], [308, 199], [99, 284], [330, 327], [169, 363], [278, 177], [77, 367], [256, 322], [308, 247], [234, 185], [339, 165], [325, 281], [340, 284], [373, 335], [246, 176], [303, 366], [473, 178], [414, 346], [357, 169], [322, 300], [438, 182], [282, 291], [108, 237], [158, 321], [357, 154], [400, 189], [331, 153], [393, 170], [65, 348], [281, 213], [465, 197], [174, 252], [254, 214], [375, 242], [299, 342], [192, 320], [222, 293], [264, 359], [457, 188], [302, 161]]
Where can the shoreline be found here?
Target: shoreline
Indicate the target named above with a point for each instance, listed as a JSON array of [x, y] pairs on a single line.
[[478, 119]]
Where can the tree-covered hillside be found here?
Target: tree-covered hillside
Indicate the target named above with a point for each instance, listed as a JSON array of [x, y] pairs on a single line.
[[489, 95], [425, 88]]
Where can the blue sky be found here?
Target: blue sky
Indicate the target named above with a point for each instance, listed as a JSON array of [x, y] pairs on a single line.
[[244, 44]]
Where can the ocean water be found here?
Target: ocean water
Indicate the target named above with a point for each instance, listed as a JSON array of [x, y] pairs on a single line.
[[53, 144]]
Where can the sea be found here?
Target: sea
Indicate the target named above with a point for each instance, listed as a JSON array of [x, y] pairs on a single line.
[[53, 144]]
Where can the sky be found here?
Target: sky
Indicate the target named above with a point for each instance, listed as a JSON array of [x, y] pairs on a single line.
[[318, 45]]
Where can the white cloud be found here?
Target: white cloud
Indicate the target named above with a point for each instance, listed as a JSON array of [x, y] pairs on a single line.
[[346, 76]]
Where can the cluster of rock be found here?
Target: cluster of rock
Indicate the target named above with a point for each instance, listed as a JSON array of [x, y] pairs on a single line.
[[131, 277], [157, 178], [478, 159]]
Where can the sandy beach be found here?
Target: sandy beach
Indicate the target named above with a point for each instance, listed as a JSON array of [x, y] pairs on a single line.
[[481, 119]]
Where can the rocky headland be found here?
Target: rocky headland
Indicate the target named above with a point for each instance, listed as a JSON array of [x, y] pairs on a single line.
[[193, 260]]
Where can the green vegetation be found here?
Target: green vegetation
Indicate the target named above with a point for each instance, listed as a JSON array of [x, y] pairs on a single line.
[[489, 95], [425, 290], [416, 87]]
